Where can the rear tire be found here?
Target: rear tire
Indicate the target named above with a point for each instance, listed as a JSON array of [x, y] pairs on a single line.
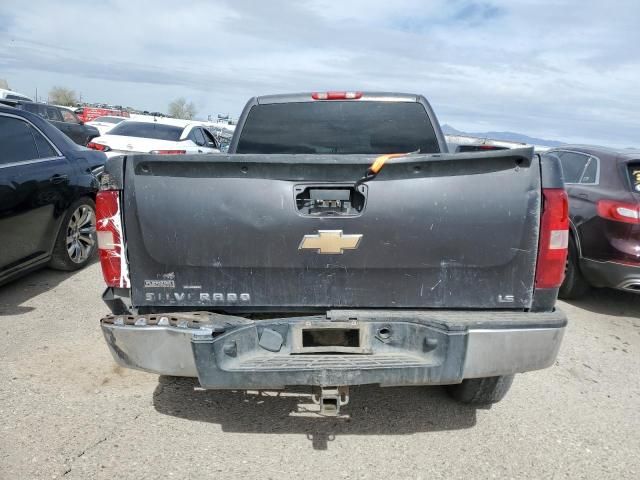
[[76, 242], [574, 285], [481, 391]]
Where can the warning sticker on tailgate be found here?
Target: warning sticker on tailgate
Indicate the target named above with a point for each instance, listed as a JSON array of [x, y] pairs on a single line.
[[159, 284]]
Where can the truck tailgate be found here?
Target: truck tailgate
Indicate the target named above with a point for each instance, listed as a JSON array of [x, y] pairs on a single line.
[[289, 231]]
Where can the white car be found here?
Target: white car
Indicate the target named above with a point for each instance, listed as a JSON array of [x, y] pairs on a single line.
[[155, 137], [11, 95], [105, 123]]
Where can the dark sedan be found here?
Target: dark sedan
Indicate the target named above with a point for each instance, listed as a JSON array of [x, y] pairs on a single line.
[[60, 117], [604, 201], [47, 192]]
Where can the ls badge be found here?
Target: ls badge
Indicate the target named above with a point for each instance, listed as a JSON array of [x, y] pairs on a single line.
[[330, 241]]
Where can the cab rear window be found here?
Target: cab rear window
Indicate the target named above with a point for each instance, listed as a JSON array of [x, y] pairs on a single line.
[[338, 127]]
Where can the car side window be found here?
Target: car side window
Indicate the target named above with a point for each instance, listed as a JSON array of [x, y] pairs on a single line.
[[16, 138], [210, 138], [40, 110], [33, 108], [198, 137], [45, 150], [53, 114], [68, 116], [572, 165], [590, 171]]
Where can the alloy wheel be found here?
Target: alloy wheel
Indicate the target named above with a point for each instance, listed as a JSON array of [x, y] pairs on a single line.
[[81, 234]]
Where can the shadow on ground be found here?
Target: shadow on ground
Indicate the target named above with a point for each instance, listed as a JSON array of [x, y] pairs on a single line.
[[372, 410], [17, 292], [606, 301]]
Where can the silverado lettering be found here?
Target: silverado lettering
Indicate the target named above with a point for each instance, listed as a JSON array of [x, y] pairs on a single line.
[[198, 296]]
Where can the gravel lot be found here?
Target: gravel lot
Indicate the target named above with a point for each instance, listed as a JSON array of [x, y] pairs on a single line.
[[66, 410]]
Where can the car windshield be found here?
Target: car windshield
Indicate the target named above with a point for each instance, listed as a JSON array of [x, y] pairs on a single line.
[[338, 128], [109, 119], [158, 131]]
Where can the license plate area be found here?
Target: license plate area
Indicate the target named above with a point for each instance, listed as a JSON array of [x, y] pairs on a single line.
[[330, 337]]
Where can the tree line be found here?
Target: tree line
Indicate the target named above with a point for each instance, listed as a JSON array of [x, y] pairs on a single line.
[[178, 108]]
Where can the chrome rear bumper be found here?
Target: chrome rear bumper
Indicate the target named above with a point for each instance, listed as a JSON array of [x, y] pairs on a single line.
[[394, 347]]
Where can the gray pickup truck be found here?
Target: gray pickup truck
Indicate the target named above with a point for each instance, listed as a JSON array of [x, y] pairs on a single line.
[[337, 244]]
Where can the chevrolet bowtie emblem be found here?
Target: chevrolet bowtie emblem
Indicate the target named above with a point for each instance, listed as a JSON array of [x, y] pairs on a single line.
[[330, 241]]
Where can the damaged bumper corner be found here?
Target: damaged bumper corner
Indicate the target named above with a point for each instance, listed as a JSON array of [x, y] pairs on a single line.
[[388, 347]]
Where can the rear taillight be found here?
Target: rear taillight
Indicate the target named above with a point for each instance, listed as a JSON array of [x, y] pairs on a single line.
[[111, 239], [619, 211], [336, 95], [479, 148], [490, 147], [98, 146], [554, 238], [168, 152]]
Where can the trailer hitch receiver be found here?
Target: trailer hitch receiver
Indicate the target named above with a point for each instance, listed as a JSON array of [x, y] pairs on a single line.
[[331, 399]]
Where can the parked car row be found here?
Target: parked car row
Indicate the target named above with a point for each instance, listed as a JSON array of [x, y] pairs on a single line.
[[47, 193], [48, 183]]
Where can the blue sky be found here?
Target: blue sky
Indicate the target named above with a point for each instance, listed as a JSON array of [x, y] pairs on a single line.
[[564, 70]]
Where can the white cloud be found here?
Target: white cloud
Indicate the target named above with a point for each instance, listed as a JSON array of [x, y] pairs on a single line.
[[565, 70]]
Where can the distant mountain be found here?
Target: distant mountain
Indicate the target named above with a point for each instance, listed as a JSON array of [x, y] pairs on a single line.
[[506, 136]]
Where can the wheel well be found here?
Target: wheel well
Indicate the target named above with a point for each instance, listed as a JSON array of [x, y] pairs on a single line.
[[573, 234]]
